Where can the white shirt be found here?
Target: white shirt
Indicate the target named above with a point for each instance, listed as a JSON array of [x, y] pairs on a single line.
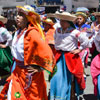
[[97, 41], [5, 36], [18, 47], [69, 41]]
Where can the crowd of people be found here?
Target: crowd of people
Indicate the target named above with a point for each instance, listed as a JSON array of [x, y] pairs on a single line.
[[59, 43]]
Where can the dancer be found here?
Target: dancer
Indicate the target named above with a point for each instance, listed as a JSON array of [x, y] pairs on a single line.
[[31, 55]]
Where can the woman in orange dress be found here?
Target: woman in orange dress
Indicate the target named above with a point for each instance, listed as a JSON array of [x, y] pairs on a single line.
[[31, 56], [49, 32]]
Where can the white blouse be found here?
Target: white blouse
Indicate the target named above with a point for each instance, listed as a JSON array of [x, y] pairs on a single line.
[[5, 36], [97, 41], [69, 41], [18, 46]]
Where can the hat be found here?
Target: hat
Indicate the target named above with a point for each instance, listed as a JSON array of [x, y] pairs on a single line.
[[51, 15], [82, 14], [28, 10], [48, 21], [3, 19], [65, 16], [96, 13]]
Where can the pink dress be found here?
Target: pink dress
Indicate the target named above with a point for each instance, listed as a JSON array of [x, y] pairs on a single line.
[[95, 71]]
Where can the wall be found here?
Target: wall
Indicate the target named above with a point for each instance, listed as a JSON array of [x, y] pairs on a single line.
[[86, 3]]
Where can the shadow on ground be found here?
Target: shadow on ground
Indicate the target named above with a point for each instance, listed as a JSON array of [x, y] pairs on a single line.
[[89, 97]]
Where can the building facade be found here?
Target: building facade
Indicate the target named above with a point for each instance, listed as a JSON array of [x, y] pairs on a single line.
[[90, 4], [52, 4]]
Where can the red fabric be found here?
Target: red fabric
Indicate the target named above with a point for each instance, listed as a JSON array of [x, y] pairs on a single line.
[[92, 49], [1, 24], [74, 65]]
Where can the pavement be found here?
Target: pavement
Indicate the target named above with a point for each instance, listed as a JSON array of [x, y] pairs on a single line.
[[88, 93]]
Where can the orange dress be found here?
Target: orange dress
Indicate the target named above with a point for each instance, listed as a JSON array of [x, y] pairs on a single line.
[[35, 53], [49, 36]]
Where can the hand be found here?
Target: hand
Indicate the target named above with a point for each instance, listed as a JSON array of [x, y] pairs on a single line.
[[97, 28], [2, 46], [33, 69], [76, 51]]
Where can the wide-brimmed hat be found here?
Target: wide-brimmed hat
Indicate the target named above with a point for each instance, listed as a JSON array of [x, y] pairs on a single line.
[[96, 13], [63, 15], [3, 19], [82, 14], [28, 10], [48, 21]]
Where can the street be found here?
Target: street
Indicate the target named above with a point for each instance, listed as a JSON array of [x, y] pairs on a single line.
[[88, 93]]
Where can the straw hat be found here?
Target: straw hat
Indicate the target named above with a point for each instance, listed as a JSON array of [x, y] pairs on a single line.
[[48, 21], [51, 15], [64, 16], [96, 13], [28, 10], [3, 19], [82, 14]]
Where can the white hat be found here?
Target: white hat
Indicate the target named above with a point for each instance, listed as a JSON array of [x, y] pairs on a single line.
[[63, 15], [3, 19]]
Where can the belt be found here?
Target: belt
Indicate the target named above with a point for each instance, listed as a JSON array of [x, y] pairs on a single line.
[[3, 42]]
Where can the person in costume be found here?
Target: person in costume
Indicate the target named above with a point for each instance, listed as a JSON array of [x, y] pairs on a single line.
[[95, 66], [31, 56], [81, 26], [5, 52], [49, 32], [95, 26], [69, 64]]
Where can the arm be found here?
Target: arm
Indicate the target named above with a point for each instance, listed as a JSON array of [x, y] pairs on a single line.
[[97, 44], [8, 37]]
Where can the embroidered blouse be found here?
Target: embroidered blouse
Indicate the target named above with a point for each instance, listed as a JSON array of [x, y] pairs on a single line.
[[68, 40], [5, 36]]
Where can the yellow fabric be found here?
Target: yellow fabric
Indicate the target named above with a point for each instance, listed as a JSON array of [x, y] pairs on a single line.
[[36, 23]]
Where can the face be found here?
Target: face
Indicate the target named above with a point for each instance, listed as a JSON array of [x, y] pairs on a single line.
[[46, 26], [80, 20], [21, 20], [64, 24]]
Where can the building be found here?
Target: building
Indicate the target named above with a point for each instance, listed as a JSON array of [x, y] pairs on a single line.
[[93, 5], [50, 5]]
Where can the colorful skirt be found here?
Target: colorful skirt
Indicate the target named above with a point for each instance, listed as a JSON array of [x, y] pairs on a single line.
[[61, 82], [16, 89], [6, 59]]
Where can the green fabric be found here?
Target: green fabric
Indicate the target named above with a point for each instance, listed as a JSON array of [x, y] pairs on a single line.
[[6, 59], [52, 74]]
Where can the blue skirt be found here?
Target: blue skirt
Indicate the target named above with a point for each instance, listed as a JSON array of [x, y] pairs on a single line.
[[61, 82]]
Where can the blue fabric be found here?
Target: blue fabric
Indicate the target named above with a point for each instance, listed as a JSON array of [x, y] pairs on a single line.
[[13, 67], [61, 82], [98, 86], [77, 90], [83, 26]]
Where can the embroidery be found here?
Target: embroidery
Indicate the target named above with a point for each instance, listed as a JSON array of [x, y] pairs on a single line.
[[89, 30], [43, 62], [77, 35], [3, 33], [59, 30], [17, 95]]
